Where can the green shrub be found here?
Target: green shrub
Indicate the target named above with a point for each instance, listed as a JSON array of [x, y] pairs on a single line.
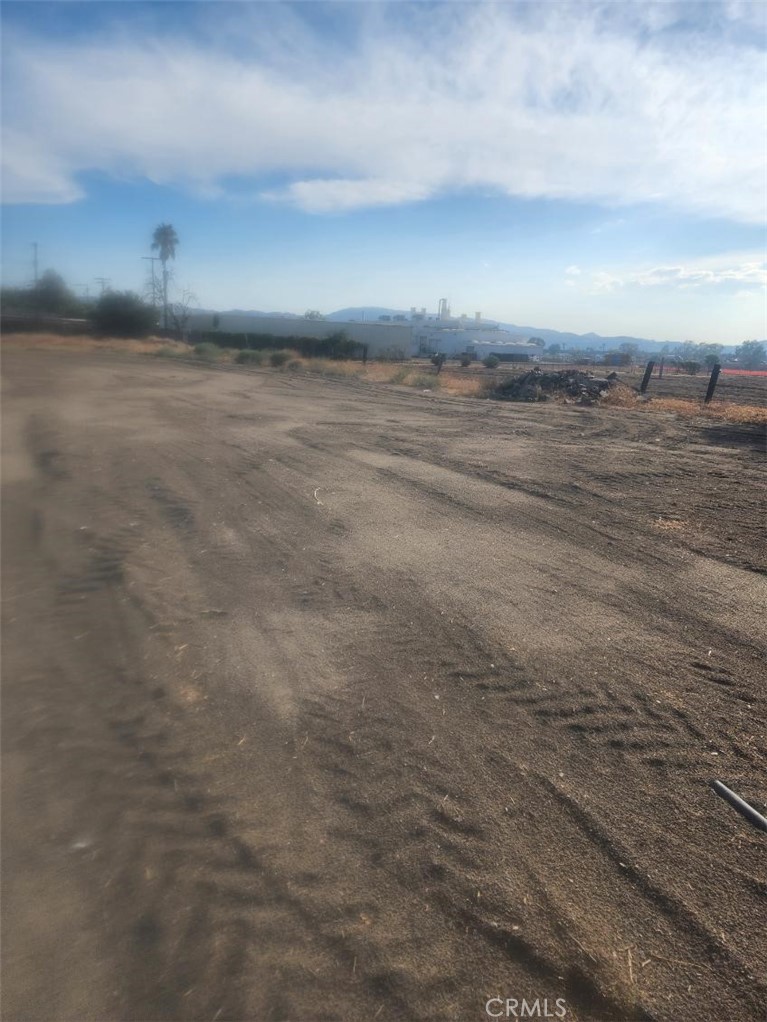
[[491, 362], [279, 358], [167, 352], [207, 352], [248, 357], [465, 361]]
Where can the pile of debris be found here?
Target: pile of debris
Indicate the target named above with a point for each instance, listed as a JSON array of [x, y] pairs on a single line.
[[573, 384]]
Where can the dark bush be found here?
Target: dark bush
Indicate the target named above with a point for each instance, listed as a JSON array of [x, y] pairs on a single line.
[[279, 358], [465, 361], [123, 314], [335, 345], [491, 362]]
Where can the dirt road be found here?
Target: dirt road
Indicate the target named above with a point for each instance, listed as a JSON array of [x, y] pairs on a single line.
[[334, 701]]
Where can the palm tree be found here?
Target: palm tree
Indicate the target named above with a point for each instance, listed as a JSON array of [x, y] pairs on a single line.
[[164, 241]]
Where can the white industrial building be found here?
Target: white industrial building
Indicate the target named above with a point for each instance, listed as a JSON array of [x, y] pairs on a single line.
[[452, 335], [383, 340], [398, 336]]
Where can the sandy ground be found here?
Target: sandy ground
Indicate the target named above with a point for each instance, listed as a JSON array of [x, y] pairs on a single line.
[[328, 700]]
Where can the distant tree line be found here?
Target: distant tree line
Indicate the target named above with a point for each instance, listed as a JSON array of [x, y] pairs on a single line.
[[691, 356], [113, 314], [49, 296]]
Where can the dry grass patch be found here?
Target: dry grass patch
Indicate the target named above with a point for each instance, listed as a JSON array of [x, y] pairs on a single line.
[[380, 372], [463, 386], [333, 367], [86, 343], [405, 375], [622, 396], [720, 411]]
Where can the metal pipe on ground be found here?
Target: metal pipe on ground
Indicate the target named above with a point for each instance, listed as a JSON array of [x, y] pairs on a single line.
[[740, 806]]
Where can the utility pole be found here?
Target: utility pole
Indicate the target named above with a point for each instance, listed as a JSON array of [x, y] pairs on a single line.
[[34, 260], [153, 260], [104, 281]]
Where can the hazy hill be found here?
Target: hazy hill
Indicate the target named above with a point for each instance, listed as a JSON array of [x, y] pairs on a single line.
[[368, 314]]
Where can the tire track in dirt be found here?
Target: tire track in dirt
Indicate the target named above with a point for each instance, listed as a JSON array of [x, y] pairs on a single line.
[[449, 807], [168, 847]]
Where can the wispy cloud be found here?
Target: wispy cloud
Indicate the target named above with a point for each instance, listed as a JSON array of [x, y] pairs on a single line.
[[746, 276], [339, 194], [562, 102]]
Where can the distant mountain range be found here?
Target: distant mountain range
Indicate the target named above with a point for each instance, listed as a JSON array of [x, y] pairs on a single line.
[[252, 312], [370, 314]]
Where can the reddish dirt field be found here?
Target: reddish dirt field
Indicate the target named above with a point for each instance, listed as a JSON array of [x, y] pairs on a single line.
[[329, 700]]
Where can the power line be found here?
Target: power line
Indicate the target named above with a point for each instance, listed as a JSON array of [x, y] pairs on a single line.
[[104, 281]]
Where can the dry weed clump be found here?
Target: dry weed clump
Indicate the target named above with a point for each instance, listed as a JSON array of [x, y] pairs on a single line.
[[620, 396], [379, 372], [462, 386], [720, 411], [334, 368], [398, 374]]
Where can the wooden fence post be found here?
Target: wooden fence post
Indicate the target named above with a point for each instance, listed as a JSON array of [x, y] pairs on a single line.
[[712, 382], [646, 377]]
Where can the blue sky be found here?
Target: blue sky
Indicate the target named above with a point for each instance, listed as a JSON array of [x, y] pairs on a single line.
[[580, 167]]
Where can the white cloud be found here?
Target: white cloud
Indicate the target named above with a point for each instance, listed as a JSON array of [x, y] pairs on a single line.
[[31, 174], [573, 271], [342, 195], [558, 102], [748, 273]]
